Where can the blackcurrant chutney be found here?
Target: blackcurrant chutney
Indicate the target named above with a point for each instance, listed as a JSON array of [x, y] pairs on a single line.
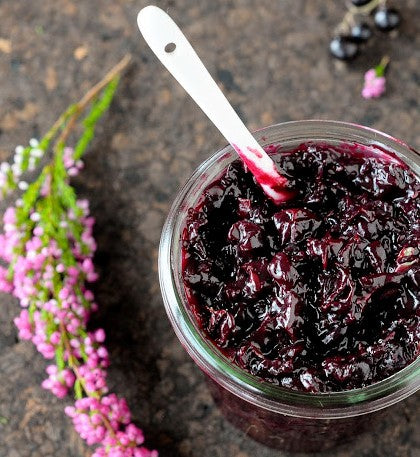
[[317, 294]]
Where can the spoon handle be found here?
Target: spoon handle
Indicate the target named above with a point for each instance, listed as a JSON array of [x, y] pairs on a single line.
[[176, 53]]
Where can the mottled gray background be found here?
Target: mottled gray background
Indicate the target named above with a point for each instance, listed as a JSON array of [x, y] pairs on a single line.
[[271, 59]]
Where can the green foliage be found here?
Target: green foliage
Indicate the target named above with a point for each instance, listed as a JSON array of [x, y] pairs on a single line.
[[25, 158], [67, 196], [97, 110], [78, 392], [10, 184], [59, 357]]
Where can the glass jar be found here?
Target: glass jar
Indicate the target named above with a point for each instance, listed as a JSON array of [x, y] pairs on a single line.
[[276, 416]]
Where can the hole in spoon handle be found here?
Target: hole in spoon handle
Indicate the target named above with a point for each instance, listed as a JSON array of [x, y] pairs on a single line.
[[170, 47]]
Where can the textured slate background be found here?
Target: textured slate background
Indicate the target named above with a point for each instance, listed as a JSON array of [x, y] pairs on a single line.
[[271, 59]]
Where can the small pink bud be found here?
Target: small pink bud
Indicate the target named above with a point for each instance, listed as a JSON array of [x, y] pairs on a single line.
[[100, 335]]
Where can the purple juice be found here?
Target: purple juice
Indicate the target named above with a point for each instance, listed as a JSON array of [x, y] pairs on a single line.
[[317, 294]]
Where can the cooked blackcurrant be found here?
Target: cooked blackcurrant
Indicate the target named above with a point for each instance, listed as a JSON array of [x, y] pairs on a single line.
[[317, 295], [386, 19], [343, 47], [361, 32]]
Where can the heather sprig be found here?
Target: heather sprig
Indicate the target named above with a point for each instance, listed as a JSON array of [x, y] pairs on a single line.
[[47, 248]]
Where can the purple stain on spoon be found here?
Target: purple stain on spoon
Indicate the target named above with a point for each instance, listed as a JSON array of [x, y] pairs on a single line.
[[274, 184]]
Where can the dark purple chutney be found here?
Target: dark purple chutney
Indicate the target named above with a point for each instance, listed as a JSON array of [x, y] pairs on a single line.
[[317, 294]]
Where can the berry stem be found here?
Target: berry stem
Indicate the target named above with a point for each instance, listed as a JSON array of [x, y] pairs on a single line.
[[354, 11], [366, 9], [381, 67], [384, 62]]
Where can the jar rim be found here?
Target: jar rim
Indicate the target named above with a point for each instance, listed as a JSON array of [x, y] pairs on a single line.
[[331, 405]]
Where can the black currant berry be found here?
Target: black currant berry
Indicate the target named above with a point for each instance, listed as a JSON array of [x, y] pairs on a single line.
[[386, 19], [361, 32], [343, 47], [360, 2]]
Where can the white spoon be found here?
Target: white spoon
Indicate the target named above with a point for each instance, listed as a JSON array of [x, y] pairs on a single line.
[[176, 53]]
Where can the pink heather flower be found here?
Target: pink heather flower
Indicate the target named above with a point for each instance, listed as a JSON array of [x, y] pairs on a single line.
[[68, 157], [9, 216], [46, 187], [73, 272], [374, 81], [58, 381], [64, 293], [38, 231], [24, 325], [55, 338], [143, 452], [88, 294], [93, 376], [100, 335], [83, 204], [5, 284], [374, 85]]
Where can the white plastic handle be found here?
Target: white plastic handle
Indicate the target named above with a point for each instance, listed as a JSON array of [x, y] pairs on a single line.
[[176, 53]]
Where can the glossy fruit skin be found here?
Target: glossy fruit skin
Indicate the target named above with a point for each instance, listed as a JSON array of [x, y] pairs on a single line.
[[386, 19], [360, 33], [317, 294], [343, 48], [360, 2]]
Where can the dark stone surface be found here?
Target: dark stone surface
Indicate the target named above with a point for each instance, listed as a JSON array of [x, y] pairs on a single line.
[[271, 59]]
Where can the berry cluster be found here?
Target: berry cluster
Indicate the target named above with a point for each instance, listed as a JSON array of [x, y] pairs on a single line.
[[355, 28]]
